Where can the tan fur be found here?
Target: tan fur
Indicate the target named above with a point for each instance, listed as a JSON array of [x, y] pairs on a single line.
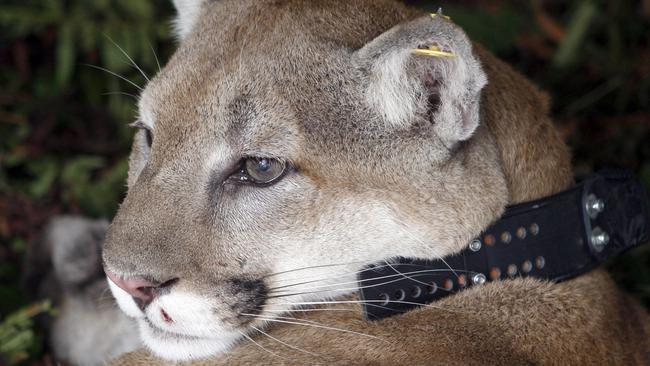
[[524, 321]]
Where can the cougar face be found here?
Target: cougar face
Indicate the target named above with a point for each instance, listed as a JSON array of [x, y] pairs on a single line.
[[286, 145]]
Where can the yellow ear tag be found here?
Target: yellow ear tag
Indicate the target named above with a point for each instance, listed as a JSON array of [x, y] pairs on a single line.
[[434, 51], [439, 14]]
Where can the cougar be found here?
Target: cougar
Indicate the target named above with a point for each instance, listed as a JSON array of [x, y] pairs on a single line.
[[287, 144]]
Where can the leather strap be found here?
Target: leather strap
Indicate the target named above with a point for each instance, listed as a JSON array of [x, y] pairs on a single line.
[[555, 238]]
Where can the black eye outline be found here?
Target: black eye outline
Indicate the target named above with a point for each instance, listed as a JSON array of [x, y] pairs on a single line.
[[242, 176], [147, 131]]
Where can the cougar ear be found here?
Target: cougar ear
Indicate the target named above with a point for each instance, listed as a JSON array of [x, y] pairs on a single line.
[[424, 68], [188, 13]]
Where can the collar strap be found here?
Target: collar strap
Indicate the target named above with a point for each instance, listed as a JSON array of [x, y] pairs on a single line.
[[555, 238]]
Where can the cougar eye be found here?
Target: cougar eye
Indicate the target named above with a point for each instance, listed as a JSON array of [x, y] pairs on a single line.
[[260, 171]]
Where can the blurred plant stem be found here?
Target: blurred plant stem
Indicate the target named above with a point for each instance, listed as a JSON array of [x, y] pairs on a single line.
[[17, 337], [576, 33]]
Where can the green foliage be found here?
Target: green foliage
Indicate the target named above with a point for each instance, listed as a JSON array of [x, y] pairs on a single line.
[[497, 30], [63, 88], [63, 125], [93, 197], [577, 31], [17, 337]]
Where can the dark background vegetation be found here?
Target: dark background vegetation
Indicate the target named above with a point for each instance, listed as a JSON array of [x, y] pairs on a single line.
[[64, 132]]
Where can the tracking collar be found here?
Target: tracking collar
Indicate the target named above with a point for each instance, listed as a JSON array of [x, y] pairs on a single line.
[[554, 238]]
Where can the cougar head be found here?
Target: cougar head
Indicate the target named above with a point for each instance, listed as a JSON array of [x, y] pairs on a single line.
[[286, 145]]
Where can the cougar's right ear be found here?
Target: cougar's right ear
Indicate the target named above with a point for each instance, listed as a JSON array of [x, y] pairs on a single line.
[[188, 13], [424, 68]]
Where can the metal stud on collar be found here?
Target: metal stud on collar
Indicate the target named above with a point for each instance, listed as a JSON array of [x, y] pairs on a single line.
[[599, 239], [594, 206], [479, 279], [475, 245]]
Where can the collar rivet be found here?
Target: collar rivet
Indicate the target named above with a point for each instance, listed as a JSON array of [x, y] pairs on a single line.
[[512, 270], [479, 279], [475, 245], [594, 206], [599, 239], [527, 266]]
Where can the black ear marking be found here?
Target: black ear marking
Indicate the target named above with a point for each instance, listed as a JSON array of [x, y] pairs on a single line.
[[149, 137]]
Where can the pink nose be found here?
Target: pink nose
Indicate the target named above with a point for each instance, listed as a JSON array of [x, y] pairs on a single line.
[[142, 290]]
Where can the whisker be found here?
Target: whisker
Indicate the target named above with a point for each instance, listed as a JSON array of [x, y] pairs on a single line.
[[114, 74], [338, 276], [285, 343], [367, 302], [413, 237], [127, 56], [311, 325], [305, 310], [405, 275], [399, 274], [321, 309], [260, 346], [295, 319], [122, 93], [155, 57], [448, 266], [312, 267]]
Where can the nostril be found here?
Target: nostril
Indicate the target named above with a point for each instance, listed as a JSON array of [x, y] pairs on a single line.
[[142, 290], [146, 292], [168, 283], [143, 296]]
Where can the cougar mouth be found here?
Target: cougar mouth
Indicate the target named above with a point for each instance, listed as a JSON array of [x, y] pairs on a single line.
[[181, 347], [180, 325], [163, 333]]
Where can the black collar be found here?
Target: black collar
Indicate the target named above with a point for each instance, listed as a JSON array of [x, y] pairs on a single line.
[[555, 238]]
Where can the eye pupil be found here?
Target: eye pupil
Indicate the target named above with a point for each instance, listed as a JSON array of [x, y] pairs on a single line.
[[263, 165], [261, 171]]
